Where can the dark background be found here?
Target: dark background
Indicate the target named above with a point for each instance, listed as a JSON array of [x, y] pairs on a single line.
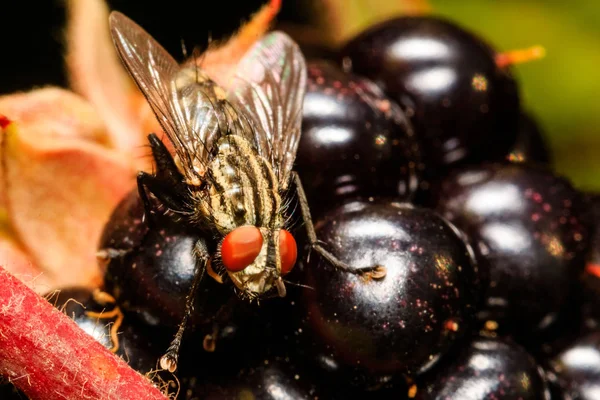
[[32, 32]]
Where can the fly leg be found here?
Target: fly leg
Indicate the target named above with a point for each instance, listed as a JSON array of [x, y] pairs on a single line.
[[375, 272], [167, 184], [145, 183], [169, 360], [103, 299]]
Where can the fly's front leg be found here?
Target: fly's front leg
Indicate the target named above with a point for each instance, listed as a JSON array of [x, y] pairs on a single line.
[[167, 184], [145, 182], [169, 360], [375, 272]]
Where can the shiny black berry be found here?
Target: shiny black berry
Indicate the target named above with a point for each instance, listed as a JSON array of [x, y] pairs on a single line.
[[576, 370], [8, 391], [590, 279], [266, 378], [527, 228], [355, 140], [487, 369], [150, 271], [402, 323], [461, 104], [531, 146]]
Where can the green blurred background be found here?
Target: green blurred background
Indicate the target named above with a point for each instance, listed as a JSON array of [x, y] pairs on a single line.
[[560, 90]]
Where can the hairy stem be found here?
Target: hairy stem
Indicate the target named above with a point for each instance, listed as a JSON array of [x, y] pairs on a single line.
[[46, 355]]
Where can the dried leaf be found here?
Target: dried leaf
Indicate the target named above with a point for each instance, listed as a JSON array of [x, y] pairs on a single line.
[[60, 192], [55, 112], [220, 60], [96, 72], [16, 261]]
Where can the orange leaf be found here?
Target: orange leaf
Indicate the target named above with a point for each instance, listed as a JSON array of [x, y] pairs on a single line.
[[56, 112], [96, 72], [18, 263], [59, 193], [220, 61]]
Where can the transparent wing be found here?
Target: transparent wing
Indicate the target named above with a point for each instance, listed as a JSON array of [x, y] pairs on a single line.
[[269, 86], [189, 106], [207, 116]]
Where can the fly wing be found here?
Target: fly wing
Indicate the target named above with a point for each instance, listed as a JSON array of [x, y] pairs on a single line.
[[188, 105], [269, 86]]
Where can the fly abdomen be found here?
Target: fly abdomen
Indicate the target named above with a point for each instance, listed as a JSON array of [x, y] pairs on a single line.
[[244, 190]]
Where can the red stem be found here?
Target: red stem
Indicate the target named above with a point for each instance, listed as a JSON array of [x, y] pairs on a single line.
[[520, 56], [46, 355]]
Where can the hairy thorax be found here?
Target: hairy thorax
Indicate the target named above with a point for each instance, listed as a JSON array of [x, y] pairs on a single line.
[[243, 189]]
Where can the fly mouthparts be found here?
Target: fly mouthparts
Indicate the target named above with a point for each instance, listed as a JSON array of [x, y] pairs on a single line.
[[280, 287]]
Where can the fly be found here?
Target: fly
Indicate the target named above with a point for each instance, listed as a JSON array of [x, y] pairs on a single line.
[[231, 165]]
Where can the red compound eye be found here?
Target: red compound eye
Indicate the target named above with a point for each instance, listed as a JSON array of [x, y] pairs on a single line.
[[287, 251], [241, 247]]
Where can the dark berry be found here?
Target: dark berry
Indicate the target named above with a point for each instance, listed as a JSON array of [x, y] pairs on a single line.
[[8, 391], [355, 141], [530, 146], [576, 370], [461, 104], [487, 369], [526, 227], [555, 390], [591, 276], [153, 275], [403, 322], [266, 378]]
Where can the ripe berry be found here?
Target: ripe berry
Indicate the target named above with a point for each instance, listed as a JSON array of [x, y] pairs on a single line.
[[266, 378], [530, 146], [8, 391], [527, 228], [576, 370], [591, 276], [462, 105], [355, 141], [404, 322], [153, 274], [487, 369]]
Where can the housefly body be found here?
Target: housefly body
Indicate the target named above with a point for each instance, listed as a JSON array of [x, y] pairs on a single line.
[[230, 167]]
